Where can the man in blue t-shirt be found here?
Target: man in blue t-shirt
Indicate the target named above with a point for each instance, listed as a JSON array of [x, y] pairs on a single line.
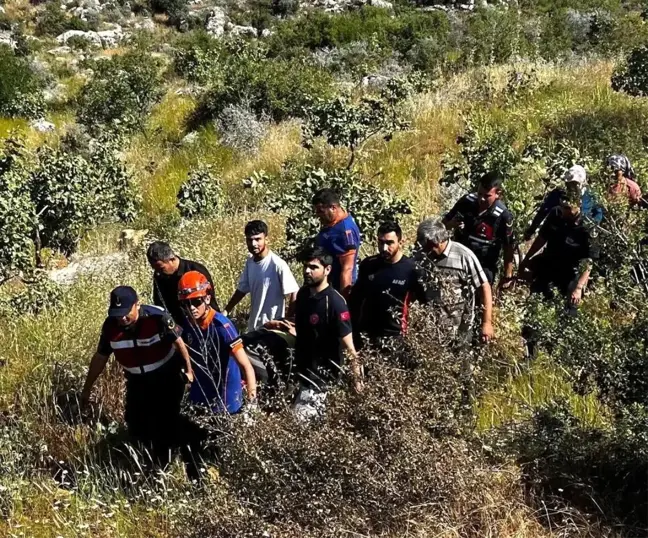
[[340, 236]]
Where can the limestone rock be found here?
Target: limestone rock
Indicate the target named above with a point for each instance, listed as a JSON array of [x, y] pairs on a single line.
[[93, 37], [6, 38], [216, 22], [111, 39], [59, 51], [236, 30], [145, 24], [42, 126], [383, 4]]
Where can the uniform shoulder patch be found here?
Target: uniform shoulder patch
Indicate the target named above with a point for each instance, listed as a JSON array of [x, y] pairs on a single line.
[[345, 316]]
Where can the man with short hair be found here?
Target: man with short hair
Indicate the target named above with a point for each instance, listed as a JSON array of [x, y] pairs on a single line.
[[324, 334], [483, 223], [146, 343], [575, 181], [169, 269], [340, 236], [451, 274], [266, 277], [387, 283]]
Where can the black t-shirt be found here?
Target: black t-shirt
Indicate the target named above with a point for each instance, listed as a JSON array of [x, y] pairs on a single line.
[[485, 233], [165, 288], [568, 242], [381, 296], [321, 321]]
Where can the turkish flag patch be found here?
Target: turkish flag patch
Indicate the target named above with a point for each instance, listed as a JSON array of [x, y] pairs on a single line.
[[345, 316], [314, 319]]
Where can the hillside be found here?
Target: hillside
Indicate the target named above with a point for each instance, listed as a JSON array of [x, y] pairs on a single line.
[[182, 121]]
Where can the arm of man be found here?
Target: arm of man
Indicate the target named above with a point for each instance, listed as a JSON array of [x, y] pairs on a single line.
[[242, 289], [550, 201], [236, 298], [356, 371], [452, 218], [537, 245], [487, 321], [289, 288], [508, 240], [347, 261], [184, 353], [244, 362], [577, 294], [97, 366]]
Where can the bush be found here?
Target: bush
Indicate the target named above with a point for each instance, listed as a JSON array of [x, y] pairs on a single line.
[[200, 195], [177, 10], [632, 77], [53, 21], [240, 129], [121, 91], [368, 203], [20, 87]]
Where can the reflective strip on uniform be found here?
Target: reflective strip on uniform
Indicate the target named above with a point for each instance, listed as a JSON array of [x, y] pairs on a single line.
[[479, 239], [144, 342], [150, 367], [122, 344]]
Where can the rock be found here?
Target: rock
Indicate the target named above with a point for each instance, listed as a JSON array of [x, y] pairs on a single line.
[[266, 32], [236, 30], [6, 38], [110, 39], [42, 126], [383, 4], [107, 266], [375, 81], [2, 10], [55, 94], [216, 22], [190, 138], [93, 37], [58, 51], [145, 24], [130, 238]]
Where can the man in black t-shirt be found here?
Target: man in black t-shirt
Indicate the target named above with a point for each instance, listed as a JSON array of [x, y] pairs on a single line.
[[169, 269], [482, 222], [323, 327], [387, 283]]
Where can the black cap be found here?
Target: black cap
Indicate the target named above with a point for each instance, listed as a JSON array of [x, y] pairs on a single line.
[[122, 299]]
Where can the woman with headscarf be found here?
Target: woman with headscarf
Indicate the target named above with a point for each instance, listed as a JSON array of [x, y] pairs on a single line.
[[624, 179]]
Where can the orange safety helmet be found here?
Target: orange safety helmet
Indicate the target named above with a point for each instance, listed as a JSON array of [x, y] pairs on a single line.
[[193, 284]]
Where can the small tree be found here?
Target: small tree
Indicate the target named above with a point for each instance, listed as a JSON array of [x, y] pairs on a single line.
[[632, 77], [20, 86]]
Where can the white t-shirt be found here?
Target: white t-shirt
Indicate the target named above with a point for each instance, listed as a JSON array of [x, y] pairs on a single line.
[[268, 282]]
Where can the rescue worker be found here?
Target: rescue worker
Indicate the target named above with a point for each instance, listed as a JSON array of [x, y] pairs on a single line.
[[146, 343], [323, 335], [169, 268], [387, 283], [566, 261], [623, 180], [215, 348], [482, 223], [451, 275], [340, 236], [575, 181]]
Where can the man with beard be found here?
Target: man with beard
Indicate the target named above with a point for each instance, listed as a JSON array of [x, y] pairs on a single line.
[[387, 283], [323, 334], [169, 269]]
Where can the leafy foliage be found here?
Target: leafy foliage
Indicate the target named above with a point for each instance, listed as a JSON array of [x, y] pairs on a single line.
[[632, 77], [120, 92], [20, 86], [368, 203], [200, 195]]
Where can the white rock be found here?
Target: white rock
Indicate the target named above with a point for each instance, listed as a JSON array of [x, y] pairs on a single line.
[[93, 37], [190, 138], [130, 238], [60, 50], [107, 266], [146, 24], [110, 39], [383, 4], [266, 32], [42, 126], [237, 30], [216, 22], [2, 10], [6, 38]]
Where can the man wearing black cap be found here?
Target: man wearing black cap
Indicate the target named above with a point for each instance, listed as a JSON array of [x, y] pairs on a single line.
[[147, 344]]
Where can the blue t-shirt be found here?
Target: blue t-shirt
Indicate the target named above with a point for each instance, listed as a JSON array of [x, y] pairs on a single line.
[[339, 239], [218, 381]]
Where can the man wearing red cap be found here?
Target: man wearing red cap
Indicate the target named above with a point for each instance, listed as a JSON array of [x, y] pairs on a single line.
[[146, 343]]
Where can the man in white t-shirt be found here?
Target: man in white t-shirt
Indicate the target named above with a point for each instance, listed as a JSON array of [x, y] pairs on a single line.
[[266, 277]]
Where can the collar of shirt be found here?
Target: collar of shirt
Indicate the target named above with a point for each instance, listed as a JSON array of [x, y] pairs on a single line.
[[446, 251], [337, 221]]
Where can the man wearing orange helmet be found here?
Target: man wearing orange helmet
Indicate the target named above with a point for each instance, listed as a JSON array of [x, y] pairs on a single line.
[[215, 348]]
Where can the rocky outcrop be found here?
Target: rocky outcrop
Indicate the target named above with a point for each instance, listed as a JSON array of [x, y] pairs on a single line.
[[108, 39], [42, 126], [6, 38], [216, 21], [92, 37]]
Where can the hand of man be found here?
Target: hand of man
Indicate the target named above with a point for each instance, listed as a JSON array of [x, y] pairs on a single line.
[[487, 332], [189, 376], [576, 296], [506, 283]]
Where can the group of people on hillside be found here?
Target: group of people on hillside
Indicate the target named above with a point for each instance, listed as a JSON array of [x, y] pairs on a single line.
[[185, 338]]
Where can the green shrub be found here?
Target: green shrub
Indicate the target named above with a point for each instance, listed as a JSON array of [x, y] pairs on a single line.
[[53, 21], [121, 91], [177, 10], [632, 76], [20, 86], [200, 195]]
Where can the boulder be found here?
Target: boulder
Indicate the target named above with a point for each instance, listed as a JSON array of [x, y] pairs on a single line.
[[111, 39], [266, 32], [42, 126], [236, 30], [59, 51], [145, 24], [93, 37], [6, 38], [216, 22], [130, 238], [190, 138], [383, 4]]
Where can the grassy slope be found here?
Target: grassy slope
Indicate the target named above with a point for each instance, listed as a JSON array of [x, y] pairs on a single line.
[[34, 349]]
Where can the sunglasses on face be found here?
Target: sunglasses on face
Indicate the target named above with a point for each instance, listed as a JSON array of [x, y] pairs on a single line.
[[196, 302]]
